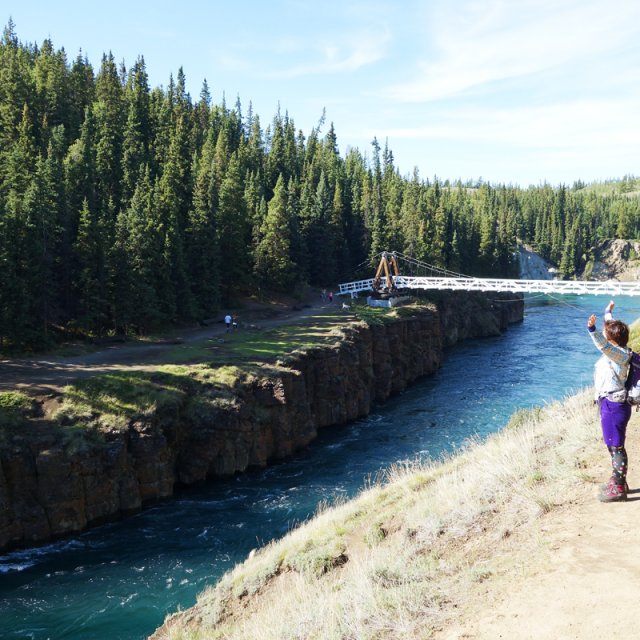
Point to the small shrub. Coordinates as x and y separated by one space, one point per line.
320 559
537 477
375 535
480 575
16 408
524 416
77 438
588 269
110 402
405 312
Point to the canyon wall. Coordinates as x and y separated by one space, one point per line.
51 487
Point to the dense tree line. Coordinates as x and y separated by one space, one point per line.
125 207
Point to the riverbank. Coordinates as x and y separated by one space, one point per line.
505 539
112 444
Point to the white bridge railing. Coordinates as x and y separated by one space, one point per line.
609 287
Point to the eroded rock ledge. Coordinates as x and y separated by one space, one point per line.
49 489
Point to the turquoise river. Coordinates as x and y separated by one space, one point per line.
118 581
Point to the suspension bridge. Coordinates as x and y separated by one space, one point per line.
389 280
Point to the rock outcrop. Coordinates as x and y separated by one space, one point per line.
615 260
533 266
52 487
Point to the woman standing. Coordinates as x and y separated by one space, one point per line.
610 376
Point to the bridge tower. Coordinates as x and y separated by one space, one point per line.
389 267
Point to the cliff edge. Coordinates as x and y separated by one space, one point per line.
64 469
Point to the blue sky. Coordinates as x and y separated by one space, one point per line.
513 91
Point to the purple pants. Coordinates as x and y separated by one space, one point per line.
614 417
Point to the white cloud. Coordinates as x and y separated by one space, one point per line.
340 55
342 47
483 42
577 124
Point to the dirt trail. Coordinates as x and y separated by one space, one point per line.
46 374
576 576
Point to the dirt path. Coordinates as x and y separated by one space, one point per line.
46 374
576 576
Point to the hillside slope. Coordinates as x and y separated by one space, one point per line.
576 574
505 540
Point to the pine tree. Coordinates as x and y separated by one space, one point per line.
276 159
137 133
16 86
202 240
338 256
109 114
273 264
144 240
91 278
173 205
20 158
82 90
17 277
234 233
44 209
51 88
376 218
298 250
317 235
439 242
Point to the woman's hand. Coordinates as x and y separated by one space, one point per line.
591 322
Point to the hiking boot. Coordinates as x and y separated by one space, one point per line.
604 487
614 493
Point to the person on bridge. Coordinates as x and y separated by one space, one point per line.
610 376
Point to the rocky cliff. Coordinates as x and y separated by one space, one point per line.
51 486
614 260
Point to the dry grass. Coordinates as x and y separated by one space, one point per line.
402 558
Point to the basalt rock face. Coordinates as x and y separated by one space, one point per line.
465 316
50 487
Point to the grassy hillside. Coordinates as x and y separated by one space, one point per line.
629 185
401 559
397 561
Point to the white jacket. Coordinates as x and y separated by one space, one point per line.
612 367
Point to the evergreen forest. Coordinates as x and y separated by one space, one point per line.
126 208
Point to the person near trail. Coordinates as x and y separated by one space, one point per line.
228 319
610 376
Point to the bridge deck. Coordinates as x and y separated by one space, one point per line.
609 287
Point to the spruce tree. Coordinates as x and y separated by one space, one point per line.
273 264
144 239
90 283
201 238
110 117
234 233
137 133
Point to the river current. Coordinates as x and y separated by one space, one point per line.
118 581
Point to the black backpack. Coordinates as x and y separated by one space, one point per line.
632 385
